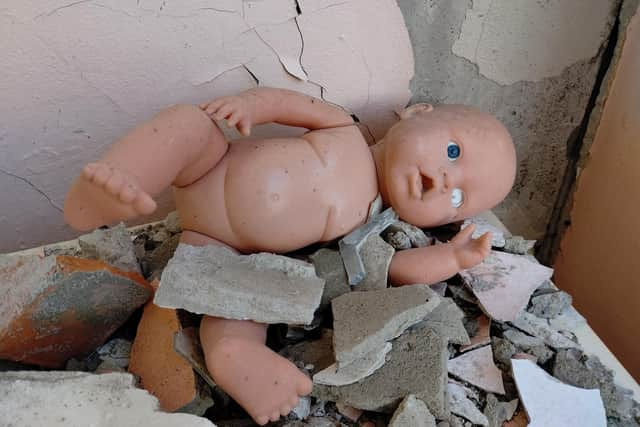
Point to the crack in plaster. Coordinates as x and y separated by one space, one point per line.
32 185
253 76
54 11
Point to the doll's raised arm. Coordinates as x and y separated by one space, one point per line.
269 105
433 264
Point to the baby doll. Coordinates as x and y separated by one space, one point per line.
435 166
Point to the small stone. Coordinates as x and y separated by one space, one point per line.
416 236
549 402
417 365
76 399
263 287
412 412
116 352
376 256
498 412
303 408
58 307
162 371
398 239
503 283
354 371
569 320
349 412
172 223
503 350
535 326
550 305
476 367
113 246
107 367
365 321
518 245
461 405
160 235
329 266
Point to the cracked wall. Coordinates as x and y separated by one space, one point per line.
531 63
77 74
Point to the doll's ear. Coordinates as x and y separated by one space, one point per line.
415 109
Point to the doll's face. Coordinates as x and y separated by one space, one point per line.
447 164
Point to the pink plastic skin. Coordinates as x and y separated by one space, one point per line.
282 194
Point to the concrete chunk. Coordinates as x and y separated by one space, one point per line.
364 321
58 307
412 412
376 256
461 405
498 412
113 246
71 399
550 305
329 266
263 287
417 365
354 371
538 327
416 236
446 321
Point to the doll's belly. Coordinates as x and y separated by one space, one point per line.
281 195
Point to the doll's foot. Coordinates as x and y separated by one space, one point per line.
265 384
104 195
120 186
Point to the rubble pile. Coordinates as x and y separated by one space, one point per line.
492 346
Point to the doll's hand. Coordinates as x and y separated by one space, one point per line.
470 252
236 110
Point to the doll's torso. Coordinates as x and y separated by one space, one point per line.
282 194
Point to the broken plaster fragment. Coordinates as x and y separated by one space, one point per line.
482 335
329 266
45 399
549 402
376 256
365 321
113 246
461 405
446 321
350 244
538 327
354 371
263 287
412 412
498 412
503 283
476 367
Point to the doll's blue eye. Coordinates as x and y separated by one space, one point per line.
453 151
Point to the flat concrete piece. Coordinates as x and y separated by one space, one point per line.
376 256
476 367
503 283
412 412
446 321
57 307
417 365
540 328
113 246
482 336
263 287
354 371
72 399
498 412
549 402
459 404
365 321
329 266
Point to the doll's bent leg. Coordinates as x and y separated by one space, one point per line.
176 147
265 384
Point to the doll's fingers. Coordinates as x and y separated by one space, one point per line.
212 107
464 235
224 112
234 118
244 126
484 244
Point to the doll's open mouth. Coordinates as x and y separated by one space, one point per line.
427 183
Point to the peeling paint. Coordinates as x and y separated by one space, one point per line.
510 40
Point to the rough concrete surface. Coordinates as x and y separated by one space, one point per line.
498 412
376 256
461 405
412 412
416 365
329 266
113 246
446 321
538 327
541 59
263 287
75 399
365 321
55 308
354 371
550 305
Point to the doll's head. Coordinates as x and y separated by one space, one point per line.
444 164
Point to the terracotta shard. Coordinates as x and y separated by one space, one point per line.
482 336
58 307
503 283
549 402
476 367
